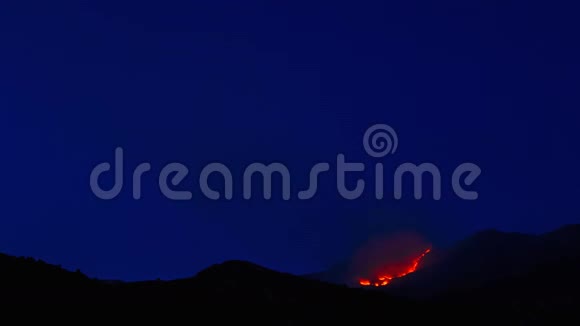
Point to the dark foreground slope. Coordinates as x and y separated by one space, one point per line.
492 277
234 290
528 278
492 258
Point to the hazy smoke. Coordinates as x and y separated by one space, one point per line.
387 254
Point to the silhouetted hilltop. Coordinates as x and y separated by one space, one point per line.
566 240
492 256
30 272
494 276
526 278
337 274
237 281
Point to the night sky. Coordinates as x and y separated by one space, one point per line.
490 82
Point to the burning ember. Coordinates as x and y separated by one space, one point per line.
390 271
381 259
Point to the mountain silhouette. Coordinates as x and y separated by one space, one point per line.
494 276
493 256
527 278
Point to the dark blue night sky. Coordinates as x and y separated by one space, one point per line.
490 82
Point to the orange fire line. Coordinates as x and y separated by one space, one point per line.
385 279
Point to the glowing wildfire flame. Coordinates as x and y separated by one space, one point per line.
385 278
